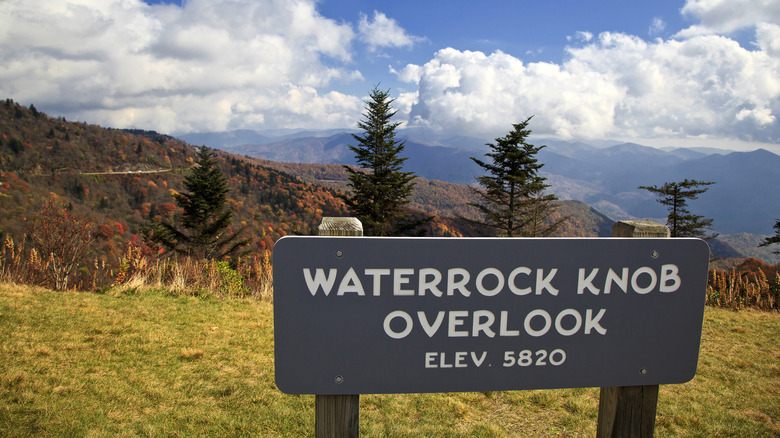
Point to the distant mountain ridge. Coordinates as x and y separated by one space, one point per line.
605 177
451 200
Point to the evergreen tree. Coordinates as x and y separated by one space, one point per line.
205 221
379 195
513 200
773 239
674 195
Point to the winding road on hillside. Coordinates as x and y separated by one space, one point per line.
126 172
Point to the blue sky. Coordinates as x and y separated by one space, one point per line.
532 31
686 72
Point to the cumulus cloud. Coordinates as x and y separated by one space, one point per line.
726 16
207 65
226 64
472 93
384 32
614 86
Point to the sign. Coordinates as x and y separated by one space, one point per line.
363 315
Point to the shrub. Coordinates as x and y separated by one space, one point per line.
61 244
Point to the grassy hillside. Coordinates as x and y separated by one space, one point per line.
151 364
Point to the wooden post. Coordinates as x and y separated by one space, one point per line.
338 415
629 411
640 229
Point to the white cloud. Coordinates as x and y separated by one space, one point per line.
476 94
228 64
761 116
616 86
581 36
768 39
657 26
384 32
727 16
208 65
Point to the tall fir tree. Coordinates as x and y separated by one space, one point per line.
514 203
379 195
773 239
204 229
675 196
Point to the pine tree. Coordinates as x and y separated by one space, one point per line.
204 231
379 195
513 200
674 195
773 239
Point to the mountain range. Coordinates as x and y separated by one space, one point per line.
122 180
605 177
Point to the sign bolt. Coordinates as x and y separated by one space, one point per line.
643 371
654 254
339 253
339 380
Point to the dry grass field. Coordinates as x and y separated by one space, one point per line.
138 362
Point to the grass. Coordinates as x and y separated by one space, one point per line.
148 364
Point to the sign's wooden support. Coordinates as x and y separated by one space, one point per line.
629 411
338 415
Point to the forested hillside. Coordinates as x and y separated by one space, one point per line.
124 179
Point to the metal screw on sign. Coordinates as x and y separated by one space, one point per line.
654 254
339 379
643 371
339 254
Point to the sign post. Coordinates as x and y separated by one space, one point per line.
338 415
629 411
413 315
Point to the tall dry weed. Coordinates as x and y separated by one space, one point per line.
737 290
143 267
22 264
